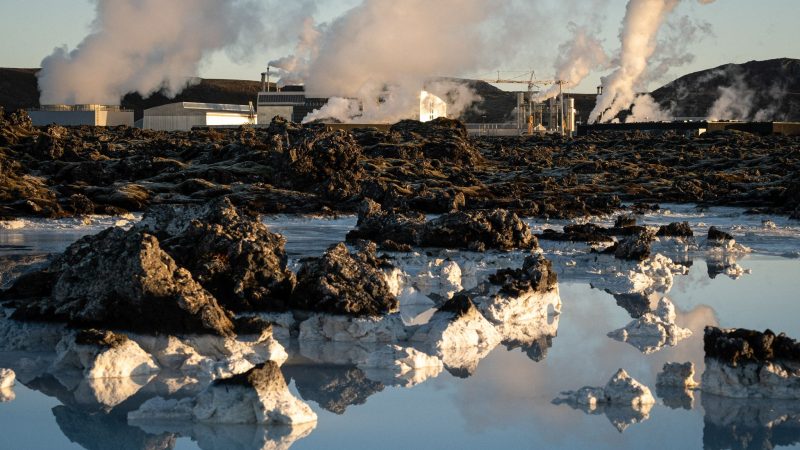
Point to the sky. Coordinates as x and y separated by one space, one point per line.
742 30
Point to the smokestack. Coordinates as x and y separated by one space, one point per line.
263 81
600 90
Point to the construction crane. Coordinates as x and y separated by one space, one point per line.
532 82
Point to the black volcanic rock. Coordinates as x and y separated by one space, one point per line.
675 229
124 279
479 231
635 247
536 275
715 234
229 252
340 282
734 346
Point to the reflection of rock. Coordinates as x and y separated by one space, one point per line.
108 392
533 337
259 395
677 375
653 275
334 388
400 359
328 327
749 424
458 334
653 330
673 384
637 304
7 380
233 437
745 363
98 431
103 354
722 253
17 335
439 277
623 400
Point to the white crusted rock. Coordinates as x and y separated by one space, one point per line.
258 396
103 354
209 356
328 327
503 308
653 275
440 277
459 334
677 375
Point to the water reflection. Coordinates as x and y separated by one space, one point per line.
749 423
332 387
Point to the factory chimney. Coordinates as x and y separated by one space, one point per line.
600 90
263 81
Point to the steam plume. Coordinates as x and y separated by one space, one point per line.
144 46
643 19
383 52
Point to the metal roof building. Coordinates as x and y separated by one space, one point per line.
185 115
94 115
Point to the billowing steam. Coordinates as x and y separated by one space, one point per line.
576 59
384 52
643 19
144 46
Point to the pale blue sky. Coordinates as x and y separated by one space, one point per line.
743 30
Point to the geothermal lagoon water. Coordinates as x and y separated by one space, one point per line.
502 399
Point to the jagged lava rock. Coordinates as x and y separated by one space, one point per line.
635 247
677 375
746 363
259 395
382 227
123 279
345 283
230 253
675 229
479 231
717 235
103 354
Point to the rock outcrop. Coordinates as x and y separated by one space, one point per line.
745 363
230 253
340 282
124 279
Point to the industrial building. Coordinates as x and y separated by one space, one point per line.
183 116
93 115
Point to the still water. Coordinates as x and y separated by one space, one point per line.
506 401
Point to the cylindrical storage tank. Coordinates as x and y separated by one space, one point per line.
570 116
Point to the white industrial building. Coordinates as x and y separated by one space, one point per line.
183 116
93 115
431 107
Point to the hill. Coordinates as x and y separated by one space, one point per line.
756 90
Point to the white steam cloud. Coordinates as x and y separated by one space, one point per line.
640 27
145 46
384 52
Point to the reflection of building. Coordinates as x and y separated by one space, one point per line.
185 115
94 115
